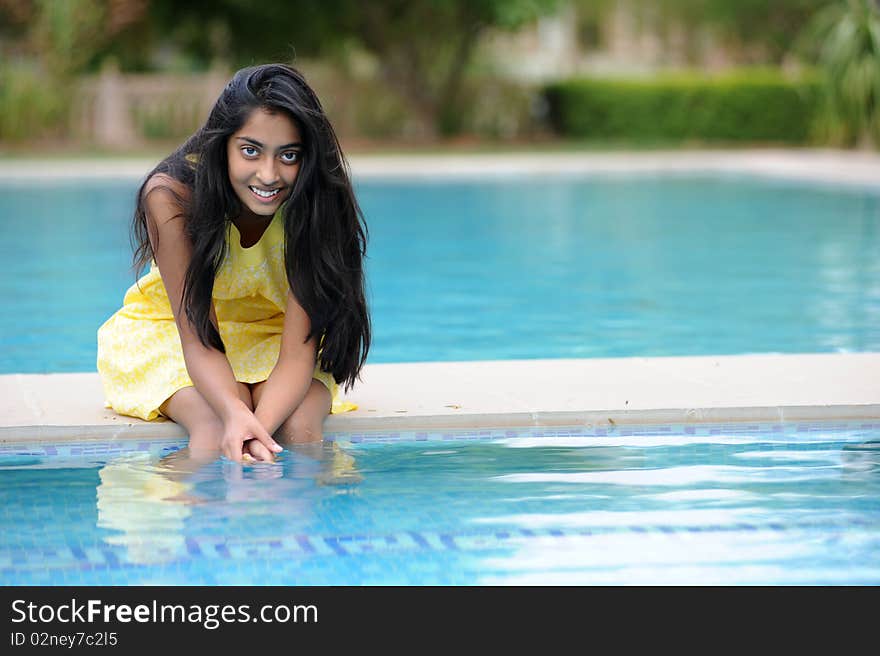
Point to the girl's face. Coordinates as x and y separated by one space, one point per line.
264 160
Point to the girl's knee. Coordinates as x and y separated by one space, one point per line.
306 422
299 428
206 435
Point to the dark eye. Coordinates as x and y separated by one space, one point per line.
290 156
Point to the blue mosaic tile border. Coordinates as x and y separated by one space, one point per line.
75 556
87 448
591 431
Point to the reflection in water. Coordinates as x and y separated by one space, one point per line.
780 515
762 506
147 503
145 508
860 460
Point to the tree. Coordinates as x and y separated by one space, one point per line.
44 45
849 54
754 31
425 47
65 36
422 47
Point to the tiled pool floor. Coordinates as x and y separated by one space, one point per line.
720 503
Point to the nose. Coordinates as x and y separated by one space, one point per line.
267 174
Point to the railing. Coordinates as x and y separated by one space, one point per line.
117 111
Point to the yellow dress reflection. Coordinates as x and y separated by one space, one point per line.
145 507
146 504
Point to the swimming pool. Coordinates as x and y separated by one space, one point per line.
533 267
708 504
512 268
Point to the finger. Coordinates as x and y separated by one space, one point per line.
260 452
256 449
232 453
268 442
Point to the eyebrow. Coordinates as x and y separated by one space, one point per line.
295 144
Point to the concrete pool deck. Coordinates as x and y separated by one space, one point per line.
436 395
857 168
514 393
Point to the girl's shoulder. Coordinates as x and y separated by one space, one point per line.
165 198
161 180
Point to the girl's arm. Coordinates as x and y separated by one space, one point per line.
208 368
289 381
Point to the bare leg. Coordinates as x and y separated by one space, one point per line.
188 408
305 424
303 431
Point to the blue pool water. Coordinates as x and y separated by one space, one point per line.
711 504
512 268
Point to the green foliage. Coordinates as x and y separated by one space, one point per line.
849 34
749 106
754 31
167 122
67 33
422 48
376 114
31 106
246 32
360 108
501 109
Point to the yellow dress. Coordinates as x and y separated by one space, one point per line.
140 359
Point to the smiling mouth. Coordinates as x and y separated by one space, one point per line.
265 194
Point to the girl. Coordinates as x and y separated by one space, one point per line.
254 308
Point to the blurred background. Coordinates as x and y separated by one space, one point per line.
136 76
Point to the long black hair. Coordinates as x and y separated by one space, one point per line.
325 234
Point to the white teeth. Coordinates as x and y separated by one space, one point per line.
264 194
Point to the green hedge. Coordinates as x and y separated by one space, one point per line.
751 106
31 104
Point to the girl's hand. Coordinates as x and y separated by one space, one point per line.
241 427
254 450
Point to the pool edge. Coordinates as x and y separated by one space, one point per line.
592 419
496 394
